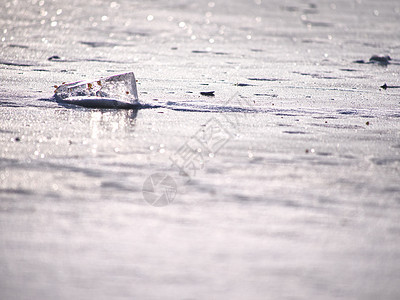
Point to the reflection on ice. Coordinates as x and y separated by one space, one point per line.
114 123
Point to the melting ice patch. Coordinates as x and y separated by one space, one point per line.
118 91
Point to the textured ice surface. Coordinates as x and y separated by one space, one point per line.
303 202
118 91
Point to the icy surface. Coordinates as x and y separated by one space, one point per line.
302 202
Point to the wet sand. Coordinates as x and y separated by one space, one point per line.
297 197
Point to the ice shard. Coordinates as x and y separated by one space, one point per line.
118 91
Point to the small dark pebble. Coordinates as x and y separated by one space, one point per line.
17 139
174 48
54 57
244 84
269 95
210 94
189 92
381 59
367 123
264 79
348 70
360 61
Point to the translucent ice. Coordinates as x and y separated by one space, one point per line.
118 91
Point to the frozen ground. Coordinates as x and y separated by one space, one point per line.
301 202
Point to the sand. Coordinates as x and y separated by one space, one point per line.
289 187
